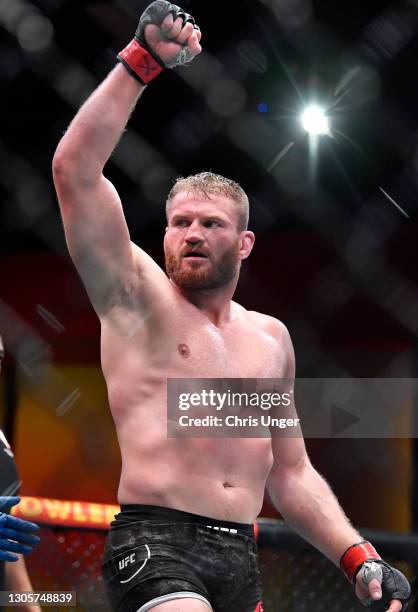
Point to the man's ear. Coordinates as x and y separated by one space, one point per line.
247 240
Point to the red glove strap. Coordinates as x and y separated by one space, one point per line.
355 556
139 61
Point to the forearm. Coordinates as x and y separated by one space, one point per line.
309 506
98 126
17 580
165 37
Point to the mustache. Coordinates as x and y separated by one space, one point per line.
194 251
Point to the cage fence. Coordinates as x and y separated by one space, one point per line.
296 578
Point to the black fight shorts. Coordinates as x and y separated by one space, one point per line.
154 555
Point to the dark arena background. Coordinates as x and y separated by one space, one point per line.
335 258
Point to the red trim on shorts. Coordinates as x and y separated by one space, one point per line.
256 532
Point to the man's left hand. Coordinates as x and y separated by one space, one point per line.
382 587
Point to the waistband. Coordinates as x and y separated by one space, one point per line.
133 513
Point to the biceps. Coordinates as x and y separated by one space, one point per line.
97 238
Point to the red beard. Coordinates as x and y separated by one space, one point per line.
202 276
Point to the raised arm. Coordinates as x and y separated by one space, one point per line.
309 506
95 227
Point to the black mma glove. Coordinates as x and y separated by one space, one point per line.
139 58
363 560
394 585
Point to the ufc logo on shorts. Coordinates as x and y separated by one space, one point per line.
126 561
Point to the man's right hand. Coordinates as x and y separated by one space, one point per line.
16 535
170 33
166 37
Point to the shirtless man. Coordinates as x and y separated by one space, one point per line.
163 553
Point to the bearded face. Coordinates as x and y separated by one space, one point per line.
203 246
195 269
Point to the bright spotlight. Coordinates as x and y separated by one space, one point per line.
314 120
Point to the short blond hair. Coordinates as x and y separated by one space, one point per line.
207 183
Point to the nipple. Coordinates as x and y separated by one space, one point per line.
183 350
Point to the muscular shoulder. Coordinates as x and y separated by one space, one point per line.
265 323
278 331
270 325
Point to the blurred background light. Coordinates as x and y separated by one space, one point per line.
314 120
291 13
35 33
226 97
252 56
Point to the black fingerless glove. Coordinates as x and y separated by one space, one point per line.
394 583
138 58
394 586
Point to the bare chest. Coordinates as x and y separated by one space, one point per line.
138 356
197 348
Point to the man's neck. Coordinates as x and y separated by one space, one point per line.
215 304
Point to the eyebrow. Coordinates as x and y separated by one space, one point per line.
205 217
215 218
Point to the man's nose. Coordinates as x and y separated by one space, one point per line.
194 233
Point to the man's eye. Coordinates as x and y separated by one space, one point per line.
181 223
211 224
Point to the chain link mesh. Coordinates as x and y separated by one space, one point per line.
294 581
308 582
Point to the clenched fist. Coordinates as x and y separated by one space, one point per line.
166 37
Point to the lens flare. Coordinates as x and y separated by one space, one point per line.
314 120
